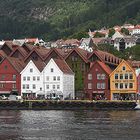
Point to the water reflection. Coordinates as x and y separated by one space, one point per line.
73 125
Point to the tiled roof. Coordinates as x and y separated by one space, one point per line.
2 53
126 39
21 50
42 51
31 40
81 52
63 66
62 51
54 50
71 42
106 57
16 63
105 67
39 64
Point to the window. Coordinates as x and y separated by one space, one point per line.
126 85
54 78
23 86
5 67
89 76
103 76
51 69
34 86
14 77
130 85
131 76
121 76
2 77
126 76
103 86
98 76
14 86
31 70
121 85
34 78
58 78
116 85
24 78
116 76
38 78
98 86
123 68
89 85
1 85
47 78
28 78
58 86
27 86
53 86
47 86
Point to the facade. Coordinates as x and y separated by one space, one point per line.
78 62
117 35
58 80
138 83
97 82
10 79
123 43
123 82
31 80
87 44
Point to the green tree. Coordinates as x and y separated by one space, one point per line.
111 32
97 34
125 31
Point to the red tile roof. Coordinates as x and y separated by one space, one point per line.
106 57
63 66
105 67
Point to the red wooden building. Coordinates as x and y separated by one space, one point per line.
10 79
97 81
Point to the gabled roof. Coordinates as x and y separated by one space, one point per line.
105 57
63 66
16 63
21 50
2 53
39 64
62 51
105 67
123 61
42 51
9 44
38 52
82 53
53 50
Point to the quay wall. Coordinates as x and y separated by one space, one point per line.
67 105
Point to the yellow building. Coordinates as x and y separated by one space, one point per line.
123 82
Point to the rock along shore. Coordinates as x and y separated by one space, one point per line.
67 105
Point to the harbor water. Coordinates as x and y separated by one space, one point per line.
69 125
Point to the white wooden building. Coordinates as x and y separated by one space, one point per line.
31 79
58 80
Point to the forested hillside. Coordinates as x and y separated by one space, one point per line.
53 19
